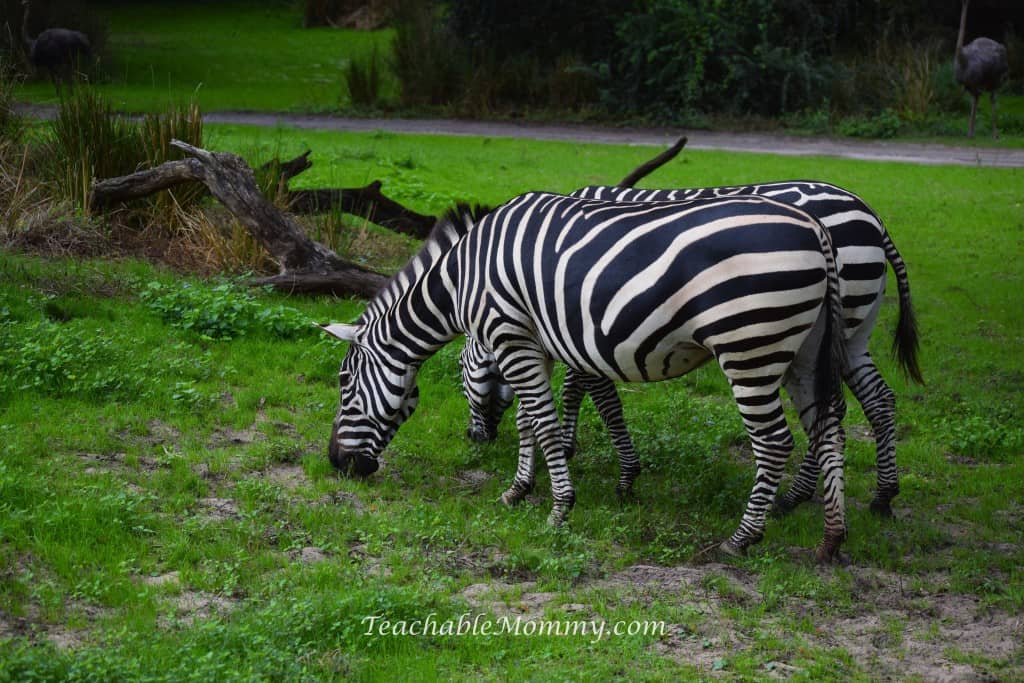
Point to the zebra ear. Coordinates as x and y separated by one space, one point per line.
342 331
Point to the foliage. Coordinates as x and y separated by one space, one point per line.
428 64
757 56
91 141
991 438
11 124
223 312
363 80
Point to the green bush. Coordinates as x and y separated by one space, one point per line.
363 80
222 312
754 56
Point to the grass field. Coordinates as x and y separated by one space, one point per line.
167 511
225 56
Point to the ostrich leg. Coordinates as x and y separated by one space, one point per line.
992 99
974 111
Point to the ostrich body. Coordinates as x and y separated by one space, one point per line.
980 66
57 50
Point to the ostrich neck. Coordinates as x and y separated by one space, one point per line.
960 38
24 28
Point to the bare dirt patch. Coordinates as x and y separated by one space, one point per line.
218 509
892 632
191 606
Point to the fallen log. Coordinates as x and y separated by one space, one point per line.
368 202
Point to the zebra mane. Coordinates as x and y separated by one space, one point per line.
455 222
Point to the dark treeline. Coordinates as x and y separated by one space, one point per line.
669 59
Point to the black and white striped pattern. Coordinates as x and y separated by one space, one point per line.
863 246
629 291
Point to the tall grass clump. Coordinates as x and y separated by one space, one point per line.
183 123
363 80
12 126
430 71
89 141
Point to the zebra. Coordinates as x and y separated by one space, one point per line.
863 246
631 291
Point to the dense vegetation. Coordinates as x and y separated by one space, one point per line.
856 67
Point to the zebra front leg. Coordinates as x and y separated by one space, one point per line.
609 407
523 482
528 372
572 399
772 442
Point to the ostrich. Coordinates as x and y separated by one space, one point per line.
980 65
57 50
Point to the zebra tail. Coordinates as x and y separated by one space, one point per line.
828 376
905 342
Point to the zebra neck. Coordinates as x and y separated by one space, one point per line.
420 320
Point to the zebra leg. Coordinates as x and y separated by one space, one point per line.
805 483
772 442
879 404
523 483
609 407
826 444
528 372
572 399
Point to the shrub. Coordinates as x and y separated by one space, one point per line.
756 56
89 141
363 80
431 69
223 312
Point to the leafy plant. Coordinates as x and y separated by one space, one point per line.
363 80
222 312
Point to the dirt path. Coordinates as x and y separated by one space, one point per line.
765 143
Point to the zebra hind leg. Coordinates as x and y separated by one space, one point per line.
772 442
827 442
879 404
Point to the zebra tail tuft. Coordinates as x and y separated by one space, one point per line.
905 342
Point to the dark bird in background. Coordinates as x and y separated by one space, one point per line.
58 50
980 66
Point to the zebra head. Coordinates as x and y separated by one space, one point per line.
376 398
488 394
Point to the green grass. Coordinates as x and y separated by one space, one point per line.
138 440
225 56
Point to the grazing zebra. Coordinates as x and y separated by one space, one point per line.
863 246
632 291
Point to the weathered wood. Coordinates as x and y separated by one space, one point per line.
648 167
289 169
143 183
364 283
368 202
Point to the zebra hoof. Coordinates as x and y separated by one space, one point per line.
559 513
732 549
882 508
827 551
512 497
